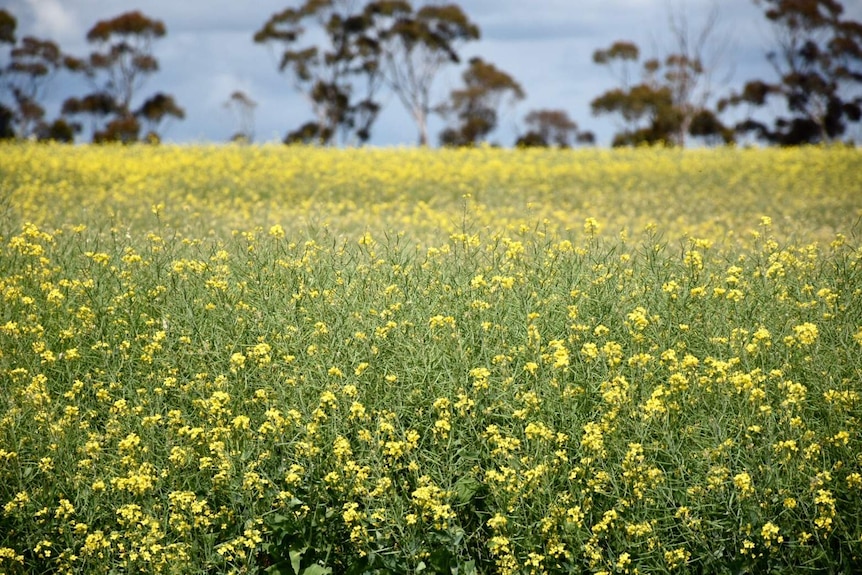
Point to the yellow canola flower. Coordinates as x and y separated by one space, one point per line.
7 553
806 333
743 482
497 522
676 558
771 534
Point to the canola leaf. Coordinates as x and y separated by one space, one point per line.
281 568
316 569
441 560
465 488
296 559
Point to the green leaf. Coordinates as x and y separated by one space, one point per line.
465 488
457 535
280 568
279 520
296 559
316 569
440 560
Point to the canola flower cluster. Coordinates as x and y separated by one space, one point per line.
220 359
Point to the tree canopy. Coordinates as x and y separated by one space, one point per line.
552 128
416 47
116 70
474 108
350 58
340 75
671 99
816 56
25 77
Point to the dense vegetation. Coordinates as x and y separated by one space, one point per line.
305 360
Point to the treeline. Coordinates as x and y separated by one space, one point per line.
345 56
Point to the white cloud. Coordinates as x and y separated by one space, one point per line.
53 21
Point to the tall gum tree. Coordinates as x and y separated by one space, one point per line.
117 70
474 108
662 108
673 97
26 72
241 106
416 47
816 57
8 25
331 50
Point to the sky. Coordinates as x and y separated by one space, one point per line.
546 45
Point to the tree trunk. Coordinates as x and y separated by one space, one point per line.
421 118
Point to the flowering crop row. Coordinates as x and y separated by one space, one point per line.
234 359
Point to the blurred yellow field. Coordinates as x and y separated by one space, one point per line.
809 193
300 360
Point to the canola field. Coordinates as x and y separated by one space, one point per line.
304 361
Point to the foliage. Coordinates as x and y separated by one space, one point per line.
817 57
335 360
366 44
31 66
155 110
117 70
416 47
475 106
8 25
339 77
341 54
660 109
552 127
